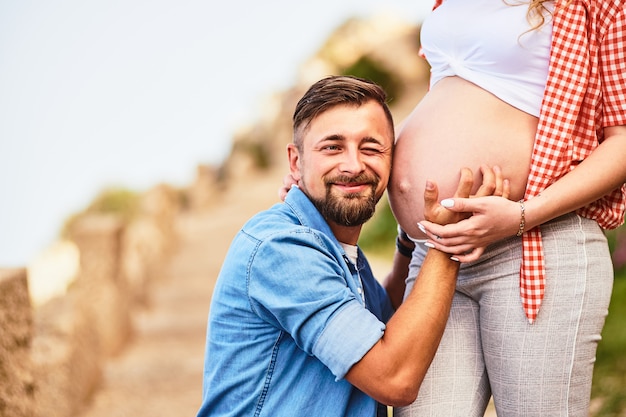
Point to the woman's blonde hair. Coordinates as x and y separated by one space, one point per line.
536 13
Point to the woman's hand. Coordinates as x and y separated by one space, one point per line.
482 219
493 218
288 181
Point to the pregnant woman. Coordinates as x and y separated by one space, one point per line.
539 90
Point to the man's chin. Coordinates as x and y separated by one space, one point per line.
359 195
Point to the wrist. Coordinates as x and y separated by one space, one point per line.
444 257
522 220
404 244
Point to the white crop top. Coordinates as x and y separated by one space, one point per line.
488 43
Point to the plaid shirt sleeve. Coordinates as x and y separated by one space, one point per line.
613 70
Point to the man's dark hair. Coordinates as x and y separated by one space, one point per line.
333 91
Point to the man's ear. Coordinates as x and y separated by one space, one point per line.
294 161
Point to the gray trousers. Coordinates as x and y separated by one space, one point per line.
489 348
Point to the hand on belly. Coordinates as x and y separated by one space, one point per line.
457 125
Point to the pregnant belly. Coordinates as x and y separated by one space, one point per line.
456 125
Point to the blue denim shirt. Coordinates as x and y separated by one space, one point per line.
287 322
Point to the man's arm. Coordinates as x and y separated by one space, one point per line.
394 368
395 281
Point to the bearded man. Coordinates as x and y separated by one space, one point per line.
298 325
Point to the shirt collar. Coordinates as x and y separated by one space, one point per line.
308 215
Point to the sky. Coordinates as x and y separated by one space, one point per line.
132 93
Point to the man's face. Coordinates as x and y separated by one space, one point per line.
345 162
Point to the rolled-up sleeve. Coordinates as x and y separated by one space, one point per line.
347 338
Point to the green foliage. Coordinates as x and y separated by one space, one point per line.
367 68
258 151
617 246
609 377
379 234
119 201
115 201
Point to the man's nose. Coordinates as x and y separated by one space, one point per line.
352 162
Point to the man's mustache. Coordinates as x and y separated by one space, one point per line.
347 179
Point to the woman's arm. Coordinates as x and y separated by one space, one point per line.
495 218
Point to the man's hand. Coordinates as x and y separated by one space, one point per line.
435 212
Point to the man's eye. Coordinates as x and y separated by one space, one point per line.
371 150
332 147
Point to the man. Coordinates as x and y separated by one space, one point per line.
297 321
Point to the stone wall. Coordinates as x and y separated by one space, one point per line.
52 356
16 324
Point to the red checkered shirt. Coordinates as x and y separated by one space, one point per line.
585 92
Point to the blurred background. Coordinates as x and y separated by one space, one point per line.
130 93
172 117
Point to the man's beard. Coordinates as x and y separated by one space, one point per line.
352 209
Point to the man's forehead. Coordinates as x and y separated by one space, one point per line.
363 129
